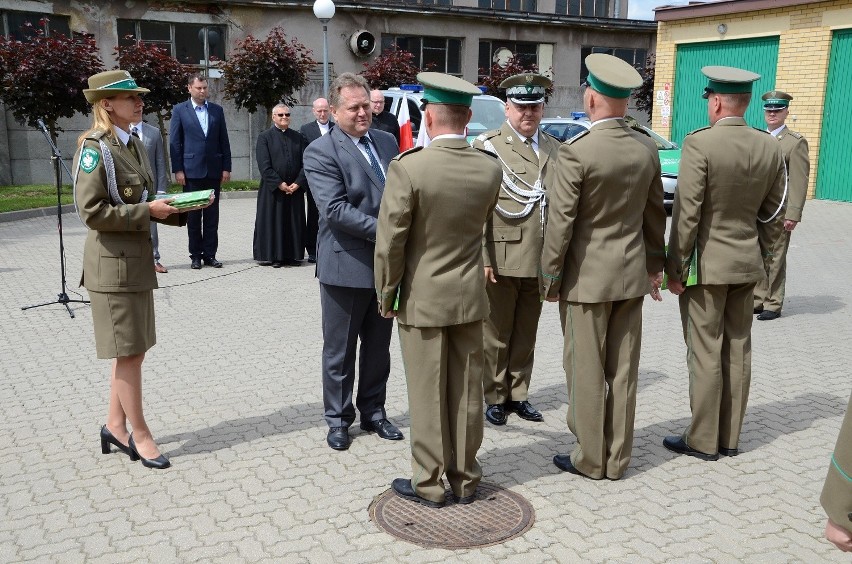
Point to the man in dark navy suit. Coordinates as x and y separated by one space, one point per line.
201 159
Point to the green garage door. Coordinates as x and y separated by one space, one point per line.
834 173
689 109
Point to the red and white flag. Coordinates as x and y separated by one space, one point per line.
406 139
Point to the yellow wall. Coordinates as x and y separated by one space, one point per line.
803 54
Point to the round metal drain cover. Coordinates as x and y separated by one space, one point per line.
496 516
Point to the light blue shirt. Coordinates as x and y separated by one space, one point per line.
201 114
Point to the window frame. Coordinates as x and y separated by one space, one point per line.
172 43
391 41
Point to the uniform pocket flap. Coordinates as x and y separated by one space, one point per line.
128 179
348 245
505 234
118 248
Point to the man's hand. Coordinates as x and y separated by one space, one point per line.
838 536
389 315
552 298
656 281
161 209
489 275
180 178
789 224
676 287
226 175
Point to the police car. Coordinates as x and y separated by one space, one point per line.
489 112
566 128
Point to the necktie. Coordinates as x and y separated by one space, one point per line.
130 145
373 162
528 141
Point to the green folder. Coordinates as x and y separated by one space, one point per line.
692 277
187 199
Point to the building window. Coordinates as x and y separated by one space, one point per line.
588 8
634 57
510 5
23 25
497 51
443 54
191 44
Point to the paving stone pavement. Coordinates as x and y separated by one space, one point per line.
233 396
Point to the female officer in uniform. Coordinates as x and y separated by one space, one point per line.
112 179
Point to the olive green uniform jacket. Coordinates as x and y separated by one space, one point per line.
836 496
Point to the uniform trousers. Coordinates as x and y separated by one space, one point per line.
601 361
443 369
202 226
769 292
717 330
510 332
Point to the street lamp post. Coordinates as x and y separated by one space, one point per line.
324 11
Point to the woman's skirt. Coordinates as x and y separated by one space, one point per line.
124 322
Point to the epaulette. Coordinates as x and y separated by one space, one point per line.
408 152
578 136
491 133
699 129
487 152
795 134
95 135
540 132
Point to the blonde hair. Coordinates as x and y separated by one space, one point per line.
101 123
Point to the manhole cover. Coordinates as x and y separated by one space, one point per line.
496 516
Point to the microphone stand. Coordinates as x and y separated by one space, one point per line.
62 297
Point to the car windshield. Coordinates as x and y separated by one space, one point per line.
662 143
488 113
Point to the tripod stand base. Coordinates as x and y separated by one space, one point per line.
60 299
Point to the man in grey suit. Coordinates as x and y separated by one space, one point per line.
153 141
346 175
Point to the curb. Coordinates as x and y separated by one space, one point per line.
6 217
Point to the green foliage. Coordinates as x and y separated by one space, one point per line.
500 73
44 77
391 68
644 95
154 68
264 73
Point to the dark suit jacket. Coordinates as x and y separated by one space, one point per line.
311 130
347 193
279 158
386 121
192 153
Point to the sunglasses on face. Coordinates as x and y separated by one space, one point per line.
283 115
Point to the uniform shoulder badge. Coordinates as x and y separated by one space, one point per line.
89 159
699 129
490 134
578 137
95 135
487 152
408 152
546 134
795 134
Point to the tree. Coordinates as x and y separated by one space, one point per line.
645 94
44 77
264 73
514 65
392 68
154 68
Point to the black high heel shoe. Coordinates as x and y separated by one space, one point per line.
108 438
160 463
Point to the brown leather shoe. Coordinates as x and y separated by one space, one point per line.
159 268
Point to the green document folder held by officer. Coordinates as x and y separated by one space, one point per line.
187 199
692 277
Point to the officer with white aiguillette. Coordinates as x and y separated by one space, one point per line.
513 239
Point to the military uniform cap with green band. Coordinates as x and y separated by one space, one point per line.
110 83
728 80
776 100
527 88
611 76
440 88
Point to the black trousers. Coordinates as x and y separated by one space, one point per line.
202 226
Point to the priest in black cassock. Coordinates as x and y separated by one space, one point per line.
280 222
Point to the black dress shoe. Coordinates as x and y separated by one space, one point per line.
338 438
495 414
728 451
312 259
276 265
107 438
213 262
264 263
678 445
767 315
758 309
466 500
405 490
383 428
159 463
563 462
293 263
524 410
196 264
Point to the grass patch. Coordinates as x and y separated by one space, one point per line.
29 196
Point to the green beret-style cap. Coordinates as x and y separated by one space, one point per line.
776 100
440 88
611 76
728 80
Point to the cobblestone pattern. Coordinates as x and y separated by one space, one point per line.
233 395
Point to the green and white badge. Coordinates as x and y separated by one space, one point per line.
89 159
